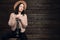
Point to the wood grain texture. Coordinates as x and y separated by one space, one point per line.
43 18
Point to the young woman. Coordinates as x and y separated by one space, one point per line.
19 15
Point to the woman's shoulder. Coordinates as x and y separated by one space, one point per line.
25 14
12 14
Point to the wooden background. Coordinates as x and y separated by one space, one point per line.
43 18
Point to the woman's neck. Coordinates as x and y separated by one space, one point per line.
19 12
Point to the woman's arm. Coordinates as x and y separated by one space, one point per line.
24 21
11 21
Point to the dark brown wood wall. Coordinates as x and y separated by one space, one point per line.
43 18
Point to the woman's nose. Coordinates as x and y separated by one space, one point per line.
21 8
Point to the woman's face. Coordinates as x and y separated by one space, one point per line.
21 7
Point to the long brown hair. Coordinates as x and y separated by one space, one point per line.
16 10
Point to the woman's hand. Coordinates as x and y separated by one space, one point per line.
19 16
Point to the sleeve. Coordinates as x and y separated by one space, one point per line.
11 21
25 21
